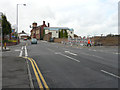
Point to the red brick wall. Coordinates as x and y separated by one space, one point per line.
106 41
58 40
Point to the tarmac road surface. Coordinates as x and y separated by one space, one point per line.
62 66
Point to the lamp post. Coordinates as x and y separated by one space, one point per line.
17 19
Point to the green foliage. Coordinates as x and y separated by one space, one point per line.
59 34
110 35
43 32
63 34
6 26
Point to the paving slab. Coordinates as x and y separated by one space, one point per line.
14 73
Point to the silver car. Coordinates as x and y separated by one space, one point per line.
33 41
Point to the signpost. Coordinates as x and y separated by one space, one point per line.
1 30
1 51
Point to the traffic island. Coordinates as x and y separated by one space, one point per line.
7 49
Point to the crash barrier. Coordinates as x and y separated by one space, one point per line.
76 41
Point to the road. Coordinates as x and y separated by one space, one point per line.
62 66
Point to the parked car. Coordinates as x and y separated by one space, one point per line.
51 40
25 39
33 41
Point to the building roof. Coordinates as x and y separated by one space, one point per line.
24 35
57 28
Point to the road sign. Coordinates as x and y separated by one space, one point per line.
13 36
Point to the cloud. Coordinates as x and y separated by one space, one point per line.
84 16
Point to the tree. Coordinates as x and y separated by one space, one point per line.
63 33
59 34
6 26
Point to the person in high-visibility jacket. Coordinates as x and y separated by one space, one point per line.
89 43
5 45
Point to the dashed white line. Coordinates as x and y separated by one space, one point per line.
116 53
71 53
50 50
110 74
68 57
26 54
98 56
21 52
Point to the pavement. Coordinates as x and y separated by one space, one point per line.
54 65
7 49
14 70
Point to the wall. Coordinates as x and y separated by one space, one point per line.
55 34
106 41
47 37
58 40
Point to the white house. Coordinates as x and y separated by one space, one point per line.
22 35
55 31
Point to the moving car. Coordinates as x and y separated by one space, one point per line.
33 41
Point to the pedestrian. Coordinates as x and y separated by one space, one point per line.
5 45
89 43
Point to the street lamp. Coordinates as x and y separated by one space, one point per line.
17 19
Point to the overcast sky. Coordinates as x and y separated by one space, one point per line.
86 17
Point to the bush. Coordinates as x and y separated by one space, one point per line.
9 41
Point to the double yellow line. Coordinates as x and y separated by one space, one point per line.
38 74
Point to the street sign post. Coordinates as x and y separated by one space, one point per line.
1 30
1 51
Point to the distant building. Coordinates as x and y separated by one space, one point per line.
23 35
55 31
75 36
38 31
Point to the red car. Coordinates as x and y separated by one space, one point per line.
25 38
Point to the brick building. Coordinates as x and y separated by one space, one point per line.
38 31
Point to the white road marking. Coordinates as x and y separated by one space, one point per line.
17 50
97 56
50 50
71 53
94 50
26 54
21 52
116 53
85 54
110 74
57 53
93 55
67 56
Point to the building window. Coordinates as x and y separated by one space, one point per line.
56 31
71 32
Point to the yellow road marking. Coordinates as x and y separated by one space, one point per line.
42 78
36 74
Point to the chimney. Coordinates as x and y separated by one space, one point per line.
48 24
43 22
34 25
